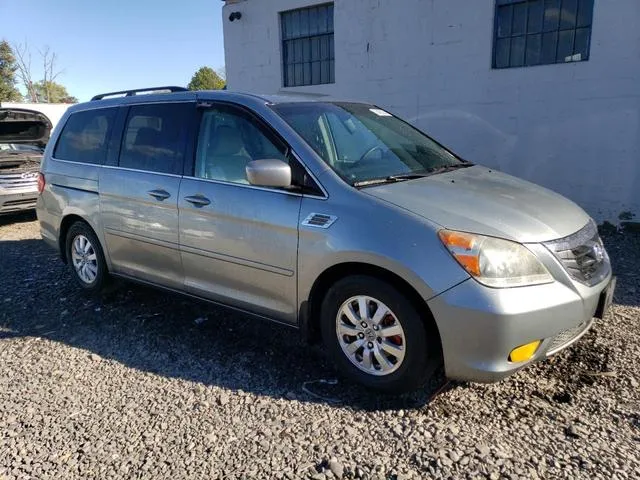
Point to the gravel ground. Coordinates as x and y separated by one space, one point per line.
142 384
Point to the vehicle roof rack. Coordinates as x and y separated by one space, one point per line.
131 93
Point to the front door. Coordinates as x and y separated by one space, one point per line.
238 242
139 196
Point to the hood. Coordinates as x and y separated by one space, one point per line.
483 201
24 126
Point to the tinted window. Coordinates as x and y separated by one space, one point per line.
228 140
85 136
536 32
154 138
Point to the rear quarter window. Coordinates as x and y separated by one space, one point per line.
85 136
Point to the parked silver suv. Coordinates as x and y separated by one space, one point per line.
338 219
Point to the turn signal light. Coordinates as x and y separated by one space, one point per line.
41 182
524 352
463 247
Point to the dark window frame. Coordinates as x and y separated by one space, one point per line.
290 42
108 135
543 36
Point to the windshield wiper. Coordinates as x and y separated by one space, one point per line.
390 179
411 175
449 168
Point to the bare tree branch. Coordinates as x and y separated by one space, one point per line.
50 73
23 62
49 59
44 69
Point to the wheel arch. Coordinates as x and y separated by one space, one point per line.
310 307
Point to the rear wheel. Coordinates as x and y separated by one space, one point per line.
376 337
85 258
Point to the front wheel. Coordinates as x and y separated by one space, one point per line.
376 337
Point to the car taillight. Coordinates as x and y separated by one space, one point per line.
41 182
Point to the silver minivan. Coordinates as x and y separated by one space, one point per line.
338 219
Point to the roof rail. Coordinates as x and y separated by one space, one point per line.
131 93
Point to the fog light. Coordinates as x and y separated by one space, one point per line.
524 352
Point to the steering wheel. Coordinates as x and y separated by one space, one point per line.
369 152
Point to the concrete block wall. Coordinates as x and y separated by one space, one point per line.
574 128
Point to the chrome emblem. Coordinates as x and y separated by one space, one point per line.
597 252
370 334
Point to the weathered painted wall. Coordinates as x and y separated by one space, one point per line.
574 127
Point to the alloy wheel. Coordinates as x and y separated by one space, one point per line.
370 335
83 257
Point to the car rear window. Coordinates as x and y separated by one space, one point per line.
85 136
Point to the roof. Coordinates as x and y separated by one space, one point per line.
186 95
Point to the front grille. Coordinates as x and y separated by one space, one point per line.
18 203
19 181
566 337
582 255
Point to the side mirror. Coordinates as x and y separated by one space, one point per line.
269 173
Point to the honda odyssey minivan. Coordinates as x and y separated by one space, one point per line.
338 219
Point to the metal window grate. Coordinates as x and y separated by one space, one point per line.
307 46
541 32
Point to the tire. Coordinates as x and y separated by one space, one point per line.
417 340
94 277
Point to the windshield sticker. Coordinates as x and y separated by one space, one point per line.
380 112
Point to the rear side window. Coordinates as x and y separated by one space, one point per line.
154 138
85 136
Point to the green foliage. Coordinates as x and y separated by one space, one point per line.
206 79
52 92
8 67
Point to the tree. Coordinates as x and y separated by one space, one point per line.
8 67
53 92
206 79
23 57
45 90
50 73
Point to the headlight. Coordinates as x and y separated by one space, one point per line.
495 262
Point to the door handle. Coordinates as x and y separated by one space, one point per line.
159 194
198 200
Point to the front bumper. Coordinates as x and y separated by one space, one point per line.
18 201
480 326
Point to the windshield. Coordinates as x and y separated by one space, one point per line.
363 143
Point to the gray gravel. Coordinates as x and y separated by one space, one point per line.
142 384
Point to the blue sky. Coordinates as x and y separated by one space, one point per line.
118 44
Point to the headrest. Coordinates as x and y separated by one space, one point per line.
147 136
227 141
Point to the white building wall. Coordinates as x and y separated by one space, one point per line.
574 128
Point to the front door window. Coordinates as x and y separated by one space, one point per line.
227 142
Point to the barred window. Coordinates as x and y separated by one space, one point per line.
307 46
539 32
